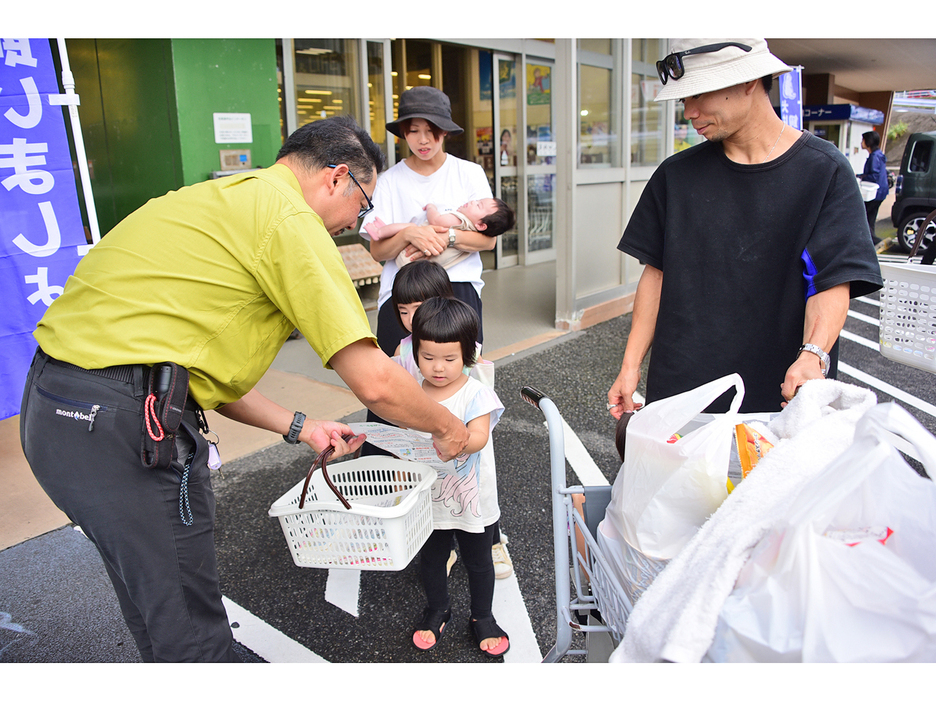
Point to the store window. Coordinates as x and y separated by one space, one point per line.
377 101
507 148
647 129
597 46
325 78
541 157
597 132
540 145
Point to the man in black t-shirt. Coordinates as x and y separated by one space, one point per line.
753 241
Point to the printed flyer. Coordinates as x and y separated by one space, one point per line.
403 443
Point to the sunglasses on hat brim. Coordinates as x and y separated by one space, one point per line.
672 66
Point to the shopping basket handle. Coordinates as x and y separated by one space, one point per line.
322 458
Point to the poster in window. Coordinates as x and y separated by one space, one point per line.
538 84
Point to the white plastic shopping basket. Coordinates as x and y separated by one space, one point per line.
908 310
387 519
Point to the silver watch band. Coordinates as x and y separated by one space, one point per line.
823 356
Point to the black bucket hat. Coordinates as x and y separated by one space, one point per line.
428 103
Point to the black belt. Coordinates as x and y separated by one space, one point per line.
122 374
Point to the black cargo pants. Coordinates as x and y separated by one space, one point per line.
81 433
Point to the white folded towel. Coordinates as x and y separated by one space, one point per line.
675 618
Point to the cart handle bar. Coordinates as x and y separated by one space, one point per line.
532 396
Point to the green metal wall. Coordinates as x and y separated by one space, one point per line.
224 75
128 122
146 112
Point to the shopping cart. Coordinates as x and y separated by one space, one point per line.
589 598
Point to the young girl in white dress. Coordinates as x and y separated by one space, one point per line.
464 496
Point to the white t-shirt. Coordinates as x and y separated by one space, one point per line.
400 196
464 495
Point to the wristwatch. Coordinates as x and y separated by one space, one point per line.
451 238
823 356
293 436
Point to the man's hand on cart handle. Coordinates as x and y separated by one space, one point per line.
621 394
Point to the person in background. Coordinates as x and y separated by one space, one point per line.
875 171
428 174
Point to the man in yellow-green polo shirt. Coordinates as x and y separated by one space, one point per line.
212 278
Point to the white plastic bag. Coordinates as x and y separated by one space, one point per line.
665 491
805 595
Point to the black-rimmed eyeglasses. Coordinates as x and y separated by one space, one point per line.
672 66
370 205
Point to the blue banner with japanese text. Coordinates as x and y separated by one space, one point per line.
791 98
41 233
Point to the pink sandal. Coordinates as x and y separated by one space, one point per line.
433 620
487 629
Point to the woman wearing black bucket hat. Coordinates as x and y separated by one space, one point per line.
428 174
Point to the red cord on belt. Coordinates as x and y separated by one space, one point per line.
149 408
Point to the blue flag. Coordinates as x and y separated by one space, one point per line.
41 233
791 98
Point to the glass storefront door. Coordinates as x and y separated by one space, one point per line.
503 101
540 163
507 116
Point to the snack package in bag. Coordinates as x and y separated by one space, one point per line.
666 489
850 574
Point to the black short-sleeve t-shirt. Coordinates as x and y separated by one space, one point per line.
741 248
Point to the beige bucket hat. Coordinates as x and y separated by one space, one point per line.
717 69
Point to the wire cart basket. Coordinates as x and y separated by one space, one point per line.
372 513
589 598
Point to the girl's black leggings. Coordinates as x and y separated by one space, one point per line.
475 552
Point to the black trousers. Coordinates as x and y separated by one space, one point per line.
81 434
871 209
475 550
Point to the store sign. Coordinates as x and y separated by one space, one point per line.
41 234
842 113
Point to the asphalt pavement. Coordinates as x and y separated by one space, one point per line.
56 604
62 609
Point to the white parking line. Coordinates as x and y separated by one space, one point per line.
869 301
582 463
873 321
891 390
270 644
511 614
860 340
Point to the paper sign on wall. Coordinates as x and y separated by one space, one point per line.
233 128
